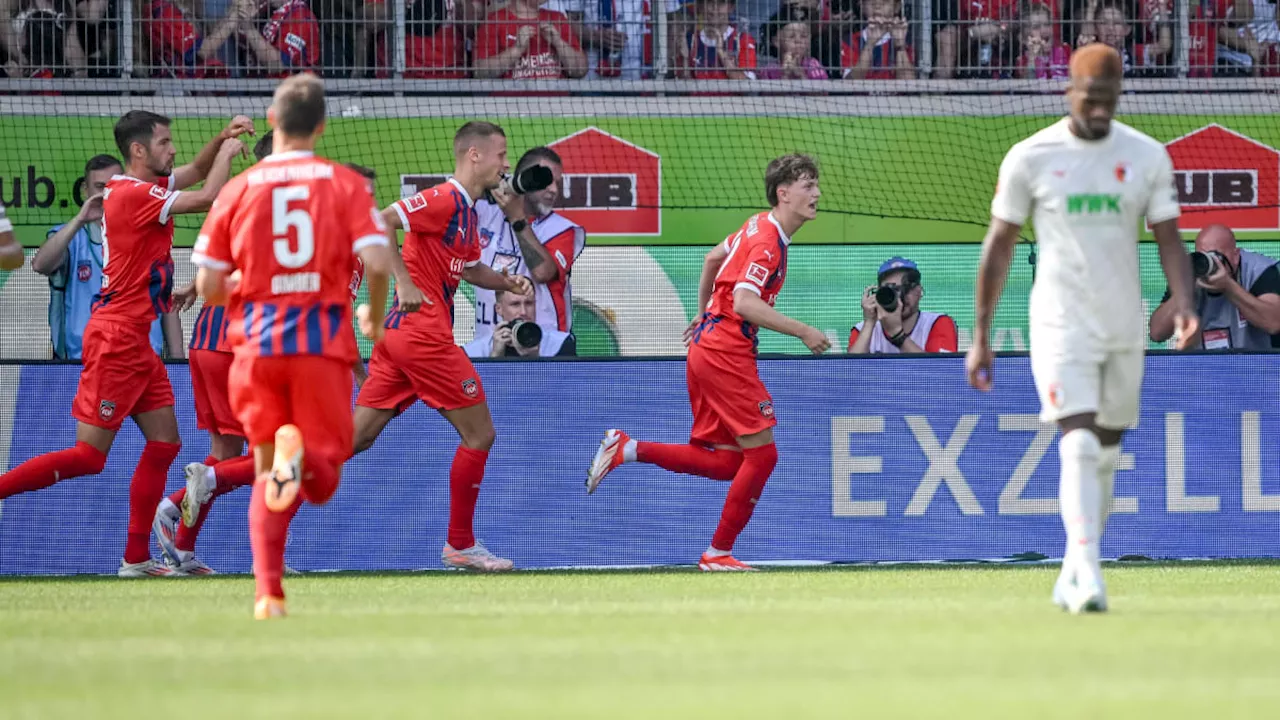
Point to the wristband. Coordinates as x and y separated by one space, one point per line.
519 225
899 339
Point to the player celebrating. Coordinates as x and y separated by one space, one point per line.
10 251
122 377
419 359
291 316
1087 181
732 437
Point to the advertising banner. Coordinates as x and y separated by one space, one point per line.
880 460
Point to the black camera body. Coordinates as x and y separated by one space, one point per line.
887 297
531 179
1205 264
526 334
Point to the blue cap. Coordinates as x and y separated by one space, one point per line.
899 263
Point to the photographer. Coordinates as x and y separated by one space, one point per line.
522 234
892 308
518 335
1231 316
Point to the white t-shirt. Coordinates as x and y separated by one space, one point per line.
1087 199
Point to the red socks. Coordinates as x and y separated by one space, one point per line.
145 491
44 470
464 490
690 459
229 474
267 533
748 483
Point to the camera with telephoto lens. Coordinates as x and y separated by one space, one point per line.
887 297
531 179
1205 264
526 334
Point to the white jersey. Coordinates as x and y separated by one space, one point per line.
1087 199
500 250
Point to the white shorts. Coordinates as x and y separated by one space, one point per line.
1107 383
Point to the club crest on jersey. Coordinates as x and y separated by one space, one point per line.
758 274
83 272
486 237
1122 172
106 409
414 203
469 387
766 408
159 193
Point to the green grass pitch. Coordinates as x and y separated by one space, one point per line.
1182 641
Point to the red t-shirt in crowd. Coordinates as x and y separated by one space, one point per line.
540 62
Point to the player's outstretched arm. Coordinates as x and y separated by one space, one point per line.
993 268
752 308
201 200
200 167
1177 271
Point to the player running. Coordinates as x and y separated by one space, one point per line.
419 360
1087 181
122 377
732 436
10 251
278 250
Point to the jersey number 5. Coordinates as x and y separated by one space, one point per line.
282 218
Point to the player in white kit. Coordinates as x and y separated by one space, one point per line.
1086 181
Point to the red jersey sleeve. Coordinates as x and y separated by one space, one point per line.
942 336
762 261
853 338
560 248
413 212
747 52
213 245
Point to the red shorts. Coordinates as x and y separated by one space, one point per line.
122 375
406 368
727 397
309 391
209 372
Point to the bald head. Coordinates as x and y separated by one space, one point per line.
1219 238
298 106
1096 61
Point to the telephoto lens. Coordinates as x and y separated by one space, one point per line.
527 334
887 298
531 179
1204 264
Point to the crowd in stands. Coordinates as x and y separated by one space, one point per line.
706 39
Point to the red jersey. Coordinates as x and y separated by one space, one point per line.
137 237
357 279
294 292
441 240
703 60
884 56
294 31
540 61
210 329
757 262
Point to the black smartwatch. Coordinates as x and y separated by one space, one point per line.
519 225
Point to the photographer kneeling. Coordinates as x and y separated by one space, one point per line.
518 335
1231 316
892 309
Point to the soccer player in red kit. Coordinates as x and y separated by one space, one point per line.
732 437
419 360
122 376
290 227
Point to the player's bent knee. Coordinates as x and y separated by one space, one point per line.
480 439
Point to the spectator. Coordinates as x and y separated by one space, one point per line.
523 42
171 45
71 258
790 37
715 49
906 328
40 39
517 335
434 45
829 35
946 38
1231 316
1252 41
97 23
617 34
881 51
524 235
1105 21
1040 57
985 38
285 42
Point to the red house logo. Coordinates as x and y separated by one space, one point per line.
611 187
1225 177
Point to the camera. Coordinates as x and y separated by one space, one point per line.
526 334
1206 264
887 297
531 179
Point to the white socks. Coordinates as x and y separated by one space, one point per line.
1080 498
629 451
1107 480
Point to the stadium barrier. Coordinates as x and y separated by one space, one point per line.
880 460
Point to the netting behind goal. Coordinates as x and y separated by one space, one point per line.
908 168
